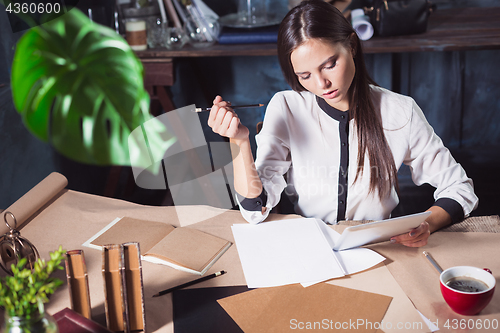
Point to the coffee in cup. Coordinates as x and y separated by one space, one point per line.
467 284
466 289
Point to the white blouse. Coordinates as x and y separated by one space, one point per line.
307 144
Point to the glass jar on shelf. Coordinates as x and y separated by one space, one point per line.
202 31
155 24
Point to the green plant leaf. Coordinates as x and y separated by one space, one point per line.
79 86
26 290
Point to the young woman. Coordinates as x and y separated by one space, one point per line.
338 138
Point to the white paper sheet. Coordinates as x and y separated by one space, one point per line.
295 251
353 260
432 327
284 252
88 243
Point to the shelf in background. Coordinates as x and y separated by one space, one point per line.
456 29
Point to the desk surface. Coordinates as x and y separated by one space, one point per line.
456 29
74 217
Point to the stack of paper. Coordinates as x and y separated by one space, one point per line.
295 251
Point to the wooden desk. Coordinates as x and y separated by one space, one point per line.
73 217
457 29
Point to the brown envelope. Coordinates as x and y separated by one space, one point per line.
318 307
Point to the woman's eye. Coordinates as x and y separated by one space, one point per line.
331 65
304 77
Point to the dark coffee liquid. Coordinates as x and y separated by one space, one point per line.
467 284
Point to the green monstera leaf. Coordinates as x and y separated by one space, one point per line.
79 86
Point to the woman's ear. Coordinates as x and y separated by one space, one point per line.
354 44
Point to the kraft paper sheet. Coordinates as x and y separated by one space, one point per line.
319 307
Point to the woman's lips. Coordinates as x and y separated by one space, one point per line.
331 94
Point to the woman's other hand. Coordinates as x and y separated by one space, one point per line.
225 122
415 238
419 236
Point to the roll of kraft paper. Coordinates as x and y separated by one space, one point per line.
361 24
34 200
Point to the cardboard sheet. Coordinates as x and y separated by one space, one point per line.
420 280
319 307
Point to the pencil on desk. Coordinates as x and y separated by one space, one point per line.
233 107
190 283
428 256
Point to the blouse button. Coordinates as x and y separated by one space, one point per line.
343 143
341 202
342 116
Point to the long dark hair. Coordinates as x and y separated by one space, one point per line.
317 19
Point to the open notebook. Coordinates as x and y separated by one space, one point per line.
182 248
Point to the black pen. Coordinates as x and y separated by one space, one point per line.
233 107
190 283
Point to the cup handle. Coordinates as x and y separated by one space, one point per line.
488 270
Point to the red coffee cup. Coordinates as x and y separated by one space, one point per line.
466 302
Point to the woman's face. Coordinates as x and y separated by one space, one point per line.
326 70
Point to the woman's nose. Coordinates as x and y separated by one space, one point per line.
323 82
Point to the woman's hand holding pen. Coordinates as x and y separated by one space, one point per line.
225 122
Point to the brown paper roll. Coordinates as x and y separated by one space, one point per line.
33 200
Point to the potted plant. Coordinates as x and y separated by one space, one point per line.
79 86
24 293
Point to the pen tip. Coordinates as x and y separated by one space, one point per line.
156 295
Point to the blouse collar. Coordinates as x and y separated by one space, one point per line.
331 111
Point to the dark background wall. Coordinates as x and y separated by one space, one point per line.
458 91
